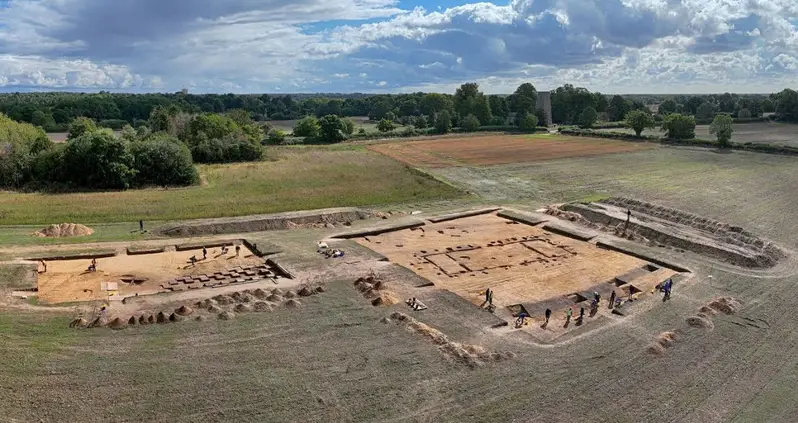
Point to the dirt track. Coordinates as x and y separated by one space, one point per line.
499 149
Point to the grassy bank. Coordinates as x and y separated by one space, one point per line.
300 179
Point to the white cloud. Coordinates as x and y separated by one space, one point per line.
255 45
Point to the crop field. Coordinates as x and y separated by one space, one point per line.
297 179
498 149
759 132
357 353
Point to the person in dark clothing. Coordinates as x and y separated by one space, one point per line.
548 315
581 313
238 249
204 253
141 225
612 299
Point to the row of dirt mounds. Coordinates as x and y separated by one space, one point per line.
662 342
258 223
223 306
375 290
703 319
65 230
665 227
470 355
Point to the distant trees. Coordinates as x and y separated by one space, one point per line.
307 127
443 124
678 126
528 122
470 123
588 117
667 107
386 125
80 126
617 109
332 129
787 105
705 111
639 120
722 128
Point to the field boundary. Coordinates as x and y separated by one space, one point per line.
76 256
569 231
134 251
527 218
608 245
463 214
209 244
379 229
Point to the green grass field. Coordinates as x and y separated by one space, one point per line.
301 178
360 122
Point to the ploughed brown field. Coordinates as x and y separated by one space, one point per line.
499 149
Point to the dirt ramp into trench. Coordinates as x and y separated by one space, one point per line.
662 226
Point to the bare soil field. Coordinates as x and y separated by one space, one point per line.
337 357
499 149
759 132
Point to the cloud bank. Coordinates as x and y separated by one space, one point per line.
620 46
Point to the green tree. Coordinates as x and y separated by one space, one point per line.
705 111
163 161
212 125
434 103
240 116
678 126
275 137
80 126
40 118
19 144
380 109
499 107
767 106
524 99
385 125
470 123
332 129
482 109
528 122
443 123
722 128
601 102
667 107
465 99
349 126
787 105
692 105
307 127
588 117
617 109
128 134
98 159
420 122
744 114
639 120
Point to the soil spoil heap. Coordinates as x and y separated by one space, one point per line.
65 230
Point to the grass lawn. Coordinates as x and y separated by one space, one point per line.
301 178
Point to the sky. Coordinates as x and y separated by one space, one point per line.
391 46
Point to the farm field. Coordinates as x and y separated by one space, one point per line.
498 149
299 178
338 357
759 132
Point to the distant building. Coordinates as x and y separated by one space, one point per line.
544 103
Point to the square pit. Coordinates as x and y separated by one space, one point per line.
522 264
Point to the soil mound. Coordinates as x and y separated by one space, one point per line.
174 317
380 285
666 339
305 292
700 322
293 303
78 323
206 303
200 318
227 315
278 291
184 310
237 296
262 306
99 322
709 311
64 230
214 309
399 316
655 349
117 324
725 305
151 319
319 289
242 308
385 298
132 321
260 294
162 318
290 294
224 300
143 320
386 320
275 298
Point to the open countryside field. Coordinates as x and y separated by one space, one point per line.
337 357
298 178
498 149
759 132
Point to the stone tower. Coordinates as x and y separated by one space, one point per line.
544 103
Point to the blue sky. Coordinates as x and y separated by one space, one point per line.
613 46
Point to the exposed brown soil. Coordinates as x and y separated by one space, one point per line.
226 315
293 304
99 322
305 292
242 308
184 310
143 320
117 324
700 322
275 298
162 318
385 298
290 294
725 305
78 323
65 230
262 306
132 321
214 309
174 317
498 149
261 294
200 318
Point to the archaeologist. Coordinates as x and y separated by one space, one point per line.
93 265
44 266
224 250
667 288
204 253
490 298
141 225
581 313
521 320
238 249
548 315
193 260
612 299
487 295
321 246
568 314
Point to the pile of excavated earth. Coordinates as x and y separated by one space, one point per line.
661 226
65 230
